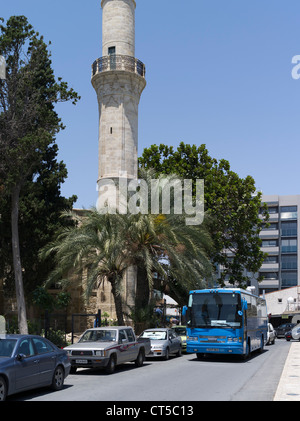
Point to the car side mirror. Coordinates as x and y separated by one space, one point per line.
20 357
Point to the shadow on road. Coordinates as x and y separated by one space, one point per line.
223 358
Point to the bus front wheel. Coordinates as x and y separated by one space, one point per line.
247 353
200 355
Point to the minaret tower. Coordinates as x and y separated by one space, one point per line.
119 79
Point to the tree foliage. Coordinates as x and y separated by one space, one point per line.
41 205
28 122
231 201
103 246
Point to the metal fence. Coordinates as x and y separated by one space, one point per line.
83 321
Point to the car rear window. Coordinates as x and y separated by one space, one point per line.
6 347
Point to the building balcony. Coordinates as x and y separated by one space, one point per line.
267 233
120 63
267 267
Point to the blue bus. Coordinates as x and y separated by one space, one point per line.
225 321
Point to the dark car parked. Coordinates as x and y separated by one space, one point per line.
288 335
282 329
30 361
293 334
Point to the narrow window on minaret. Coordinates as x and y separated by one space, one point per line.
111 130
111 50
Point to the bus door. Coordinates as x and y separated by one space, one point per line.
245 322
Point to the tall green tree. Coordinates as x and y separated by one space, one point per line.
232 202
104 246
41 205
28 122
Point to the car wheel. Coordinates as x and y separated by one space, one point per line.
140 359
58 378
73 370
166 357
111 366
179 352
3 389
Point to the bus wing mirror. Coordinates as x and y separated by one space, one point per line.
184 314
245 305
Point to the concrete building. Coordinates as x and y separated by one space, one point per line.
281 284
281 240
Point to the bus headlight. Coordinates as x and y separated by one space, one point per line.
192 338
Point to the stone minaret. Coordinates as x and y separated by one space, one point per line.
118 79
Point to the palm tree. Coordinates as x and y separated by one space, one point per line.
94 246
163 244
106 245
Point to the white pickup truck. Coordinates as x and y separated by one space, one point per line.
107 347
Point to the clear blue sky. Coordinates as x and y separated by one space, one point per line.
218 72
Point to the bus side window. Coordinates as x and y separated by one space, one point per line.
254 307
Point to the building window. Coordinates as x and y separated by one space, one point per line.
271 226
273 209
271 259
288 208
289 245
289 279
111 50
269 275
289 229
289 261
269 243
288 212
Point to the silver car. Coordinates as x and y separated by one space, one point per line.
28 362
164 342
271 334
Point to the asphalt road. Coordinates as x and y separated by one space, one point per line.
183 379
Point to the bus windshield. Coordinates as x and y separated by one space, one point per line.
215 310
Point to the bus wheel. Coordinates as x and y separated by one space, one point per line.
246 355
261 344
200 355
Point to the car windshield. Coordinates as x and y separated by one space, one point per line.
157 335
216 310
181 331
6 347
99 335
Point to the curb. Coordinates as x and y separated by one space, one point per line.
289 384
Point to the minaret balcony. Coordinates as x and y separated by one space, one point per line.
118 62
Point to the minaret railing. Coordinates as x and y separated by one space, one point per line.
118 62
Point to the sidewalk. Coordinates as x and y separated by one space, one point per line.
289 385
